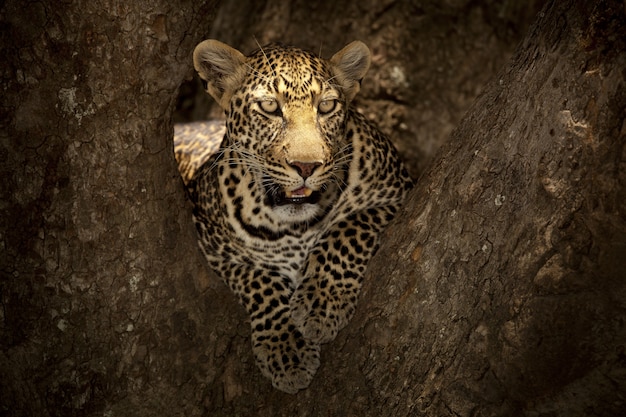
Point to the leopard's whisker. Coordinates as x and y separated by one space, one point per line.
267 61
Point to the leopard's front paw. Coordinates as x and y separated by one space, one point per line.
287 359
318 315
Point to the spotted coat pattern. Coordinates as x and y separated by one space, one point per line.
289 210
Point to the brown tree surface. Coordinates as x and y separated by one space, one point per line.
498 291
95 302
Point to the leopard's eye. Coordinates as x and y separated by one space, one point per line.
326 106
269 106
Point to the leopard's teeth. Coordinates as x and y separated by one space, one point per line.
302 192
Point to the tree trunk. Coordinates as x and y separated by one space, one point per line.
507 290
499 290
97 307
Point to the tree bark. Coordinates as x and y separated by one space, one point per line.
506 294
97 306
499 290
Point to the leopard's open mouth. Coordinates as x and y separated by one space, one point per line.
302 195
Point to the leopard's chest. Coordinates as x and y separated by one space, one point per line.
286 256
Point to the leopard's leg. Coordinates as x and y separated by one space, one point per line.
281 352
326 300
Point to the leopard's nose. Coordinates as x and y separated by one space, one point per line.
305 169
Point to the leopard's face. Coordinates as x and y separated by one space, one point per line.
287 123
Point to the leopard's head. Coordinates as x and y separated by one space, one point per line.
286 118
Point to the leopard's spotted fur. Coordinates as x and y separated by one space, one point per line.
289 210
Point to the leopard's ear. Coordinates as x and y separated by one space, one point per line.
221 67
349 67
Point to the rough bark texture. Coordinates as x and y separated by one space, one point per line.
498 291
95 303
507 294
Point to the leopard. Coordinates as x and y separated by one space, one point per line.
290 208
